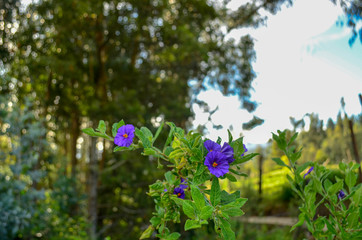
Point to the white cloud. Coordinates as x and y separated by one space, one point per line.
292 81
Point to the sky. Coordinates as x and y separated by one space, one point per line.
304 64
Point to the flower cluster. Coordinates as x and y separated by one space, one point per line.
219 158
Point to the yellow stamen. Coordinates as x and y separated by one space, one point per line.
178 194
214 164
125 135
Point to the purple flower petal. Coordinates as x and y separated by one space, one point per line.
228 151
125 135
341 194
212 146
310 169
183 184
179 192
217 163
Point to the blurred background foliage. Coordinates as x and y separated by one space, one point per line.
67 64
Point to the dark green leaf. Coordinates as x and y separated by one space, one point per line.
206 212
198 197
215 193
101 126
280 162
144 139
230 177
191 224
115 127
351 179
188 209
158 132
155 221
173 236
230 137
226 231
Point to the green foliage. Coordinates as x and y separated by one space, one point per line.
339 197
29 207
184 154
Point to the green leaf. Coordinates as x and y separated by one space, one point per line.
228 198
238 147
173 236
232 211
115 127
149 151
144 139
206 212
280 162
170 177
231 177
226 230
300 221
292 138
101 126
242 159
120 149
327 184
230 137
198 197
342 166
357 198
92 133
188 209
355 166
148 232
351 179
335 188
302 167
158 132
155 221
201 178
330 227
147 133
215 193
200 169
353 219
238 173
191 224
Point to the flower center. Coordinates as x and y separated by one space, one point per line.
214 164
125 135
210 150
178 194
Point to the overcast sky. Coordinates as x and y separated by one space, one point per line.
304 64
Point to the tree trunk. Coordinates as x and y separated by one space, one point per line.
260 191
92 186
355 148
73 146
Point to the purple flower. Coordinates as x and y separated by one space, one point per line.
212 146
179 192
310 169
341 194
217 163
245 150
125 135
228 152
183 184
